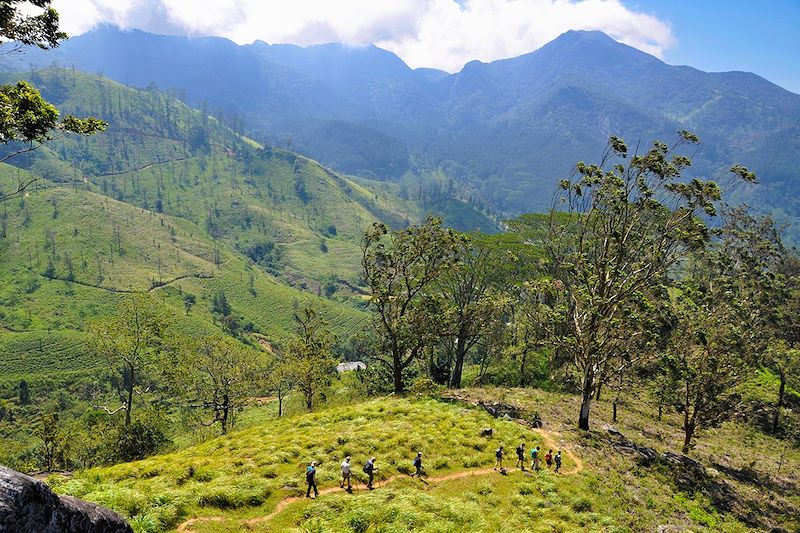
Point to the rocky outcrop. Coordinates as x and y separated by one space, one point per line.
28 505
627 447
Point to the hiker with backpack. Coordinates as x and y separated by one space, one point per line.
346 473
498 454
311 479
558 461
418 465
549 459
369 469
535 458
521 456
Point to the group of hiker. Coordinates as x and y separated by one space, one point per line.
549 459
369 467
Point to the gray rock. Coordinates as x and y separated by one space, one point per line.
627 447
27 504
675 459
486 432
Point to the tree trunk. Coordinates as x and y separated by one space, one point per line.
781 392
129 405
688 422
614 410
586 402
397 371
224 420
398 380
523 361
660 410
455 381
688 433
599 389
309 400
280 405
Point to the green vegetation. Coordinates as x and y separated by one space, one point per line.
241 477
249 468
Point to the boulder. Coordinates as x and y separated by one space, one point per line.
486 432
641 453
675 459
500 410
627 447
27 504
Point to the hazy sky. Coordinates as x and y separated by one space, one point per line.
709 34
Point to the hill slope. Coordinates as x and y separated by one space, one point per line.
236 482
59 273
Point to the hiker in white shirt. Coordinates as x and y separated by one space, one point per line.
346 473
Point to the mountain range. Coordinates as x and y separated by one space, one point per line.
505 130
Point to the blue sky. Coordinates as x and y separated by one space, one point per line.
761 36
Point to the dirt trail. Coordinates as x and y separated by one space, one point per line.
550 441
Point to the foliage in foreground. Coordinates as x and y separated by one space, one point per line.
248 468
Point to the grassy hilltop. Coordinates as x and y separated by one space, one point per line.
235 482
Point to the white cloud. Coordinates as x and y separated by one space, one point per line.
425 33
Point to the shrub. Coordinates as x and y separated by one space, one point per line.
471 462
581 505
485 489
141 439
441 464
358 521
423 386
145 523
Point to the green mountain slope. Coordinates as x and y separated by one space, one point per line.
170 199
163 156
69 256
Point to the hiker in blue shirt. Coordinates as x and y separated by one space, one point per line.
311 479
369 469
418 465
535 458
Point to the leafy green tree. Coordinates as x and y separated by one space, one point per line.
25 117
308 355
53 449
220 305
280 381
145 436
188 302
784 361
625 226
399 268
707 353
132 342
768 279
24 392
473 303
220 375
